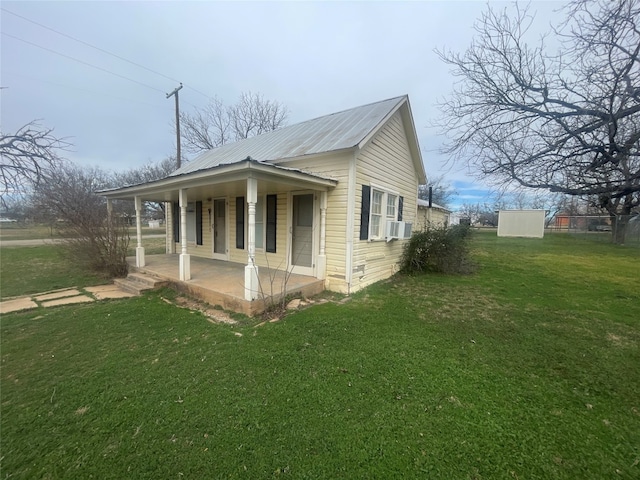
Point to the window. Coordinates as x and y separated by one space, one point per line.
176 222
240 222
391 206
194 223
272 210
378 207
265 222
198 223
376 213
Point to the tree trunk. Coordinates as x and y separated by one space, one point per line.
619 222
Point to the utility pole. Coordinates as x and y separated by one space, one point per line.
175 93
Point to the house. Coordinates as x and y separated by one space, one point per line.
330 198
431 214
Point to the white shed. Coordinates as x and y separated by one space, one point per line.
521 223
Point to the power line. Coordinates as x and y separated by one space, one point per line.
101 50
84 90
88 64
82 62
88 44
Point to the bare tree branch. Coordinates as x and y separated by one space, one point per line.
26 156
214 124
568 122
92 237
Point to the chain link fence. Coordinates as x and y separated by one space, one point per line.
624 228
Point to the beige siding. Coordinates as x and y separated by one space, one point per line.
384 163
336 167
430 216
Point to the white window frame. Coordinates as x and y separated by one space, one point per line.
384 214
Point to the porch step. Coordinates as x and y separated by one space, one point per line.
137 282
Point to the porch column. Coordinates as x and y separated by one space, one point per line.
139 249
321 270
185 259
170 246
110 220
251 285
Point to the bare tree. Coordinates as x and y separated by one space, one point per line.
93 238
26 156
253 115
441 191
146 173
207 128
216 124
567 122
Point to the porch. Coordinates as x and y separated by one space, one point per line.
219 282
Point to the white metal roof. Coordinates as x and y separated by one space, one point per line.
425 204
330 133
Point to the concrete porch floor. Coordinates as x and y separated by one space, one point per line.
218 282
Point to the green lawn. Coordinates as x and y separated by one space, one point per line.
529 368
21 231
25 270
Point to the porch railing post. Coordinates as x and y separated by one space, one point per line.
140 262
251 285
321 269
110 220
185 259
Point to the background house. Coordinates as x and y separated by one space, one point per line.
434 214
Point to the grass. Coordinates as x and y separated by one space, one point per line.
34 269
21 231
529 368
25 270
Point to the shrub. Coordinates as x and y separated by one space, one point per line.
438 249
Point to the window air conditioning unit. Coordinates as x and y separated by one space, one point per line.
398 230
394 230
408 227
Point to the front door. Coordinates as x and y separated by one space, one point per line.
302 234
219 228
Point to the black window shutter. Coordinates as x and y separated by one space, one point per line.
240 222
198 223
400 204
176 222
272 210
364 212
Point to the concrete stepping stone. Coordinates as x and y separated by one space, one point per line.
68 301
17 304
68 296
71 292
102 292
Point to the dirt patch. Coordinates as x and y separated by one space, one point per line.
619 340
213 314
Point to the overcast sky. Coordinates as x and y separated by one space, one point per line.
314 57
